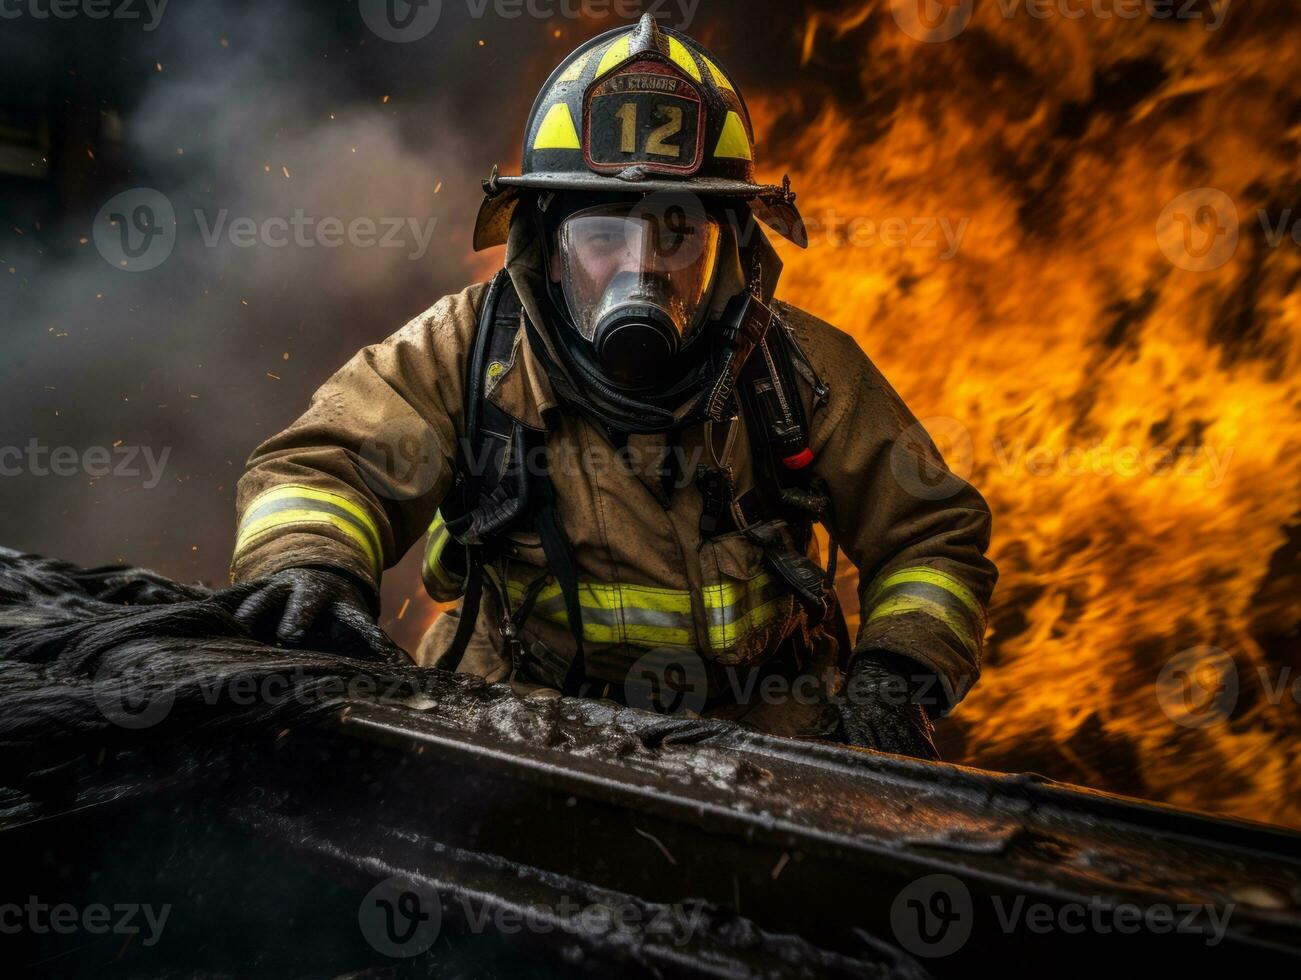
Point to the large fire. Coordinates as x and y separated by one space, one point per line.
1133 422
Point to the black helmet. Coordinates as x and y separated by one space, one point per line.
638 111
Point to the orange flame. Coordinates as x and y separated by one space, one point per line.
1129 406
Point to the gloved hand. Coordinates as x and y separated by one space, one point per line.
879 710
317 609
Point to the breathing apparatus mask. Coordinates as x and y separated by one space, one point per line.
636 280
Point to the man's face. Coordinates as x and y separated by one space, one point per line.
631 252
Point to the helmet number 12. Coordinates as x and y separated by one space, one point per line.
655 140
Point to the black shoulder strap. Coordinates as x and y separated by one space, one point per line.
786 498
484 458
494 340
497 486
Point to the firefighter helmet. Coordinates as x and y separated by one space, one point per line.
639 110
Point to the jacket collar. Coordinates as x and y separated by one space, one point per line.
523 391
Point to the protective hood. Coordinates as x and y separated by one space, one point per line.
577 380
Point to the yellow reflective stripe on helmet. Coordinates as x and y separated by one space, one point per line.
616 54
720 79
681 57
927 575
291 504
285 518
575 69
557 131
439 538
734 141
904 602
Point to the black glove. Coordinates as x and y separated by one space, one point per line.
879 709
316 609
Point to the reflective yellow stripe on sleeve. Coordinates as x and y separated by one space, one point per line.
934 593
291 505
447 583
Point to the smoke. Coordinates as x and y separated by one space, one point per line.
312 215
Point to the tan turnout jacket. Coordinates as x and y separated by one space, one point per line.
358 479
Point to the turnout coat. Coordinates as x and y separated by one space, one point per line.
359 478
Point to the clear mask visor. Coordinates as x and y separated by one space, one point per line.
637 255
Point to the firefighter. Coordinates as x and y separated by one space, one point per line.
619 447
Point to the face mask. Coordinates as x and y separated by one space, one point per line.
637 282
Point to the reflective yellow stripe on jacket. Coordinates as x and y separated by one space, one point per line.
290 506
650 616
931 592
445 584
